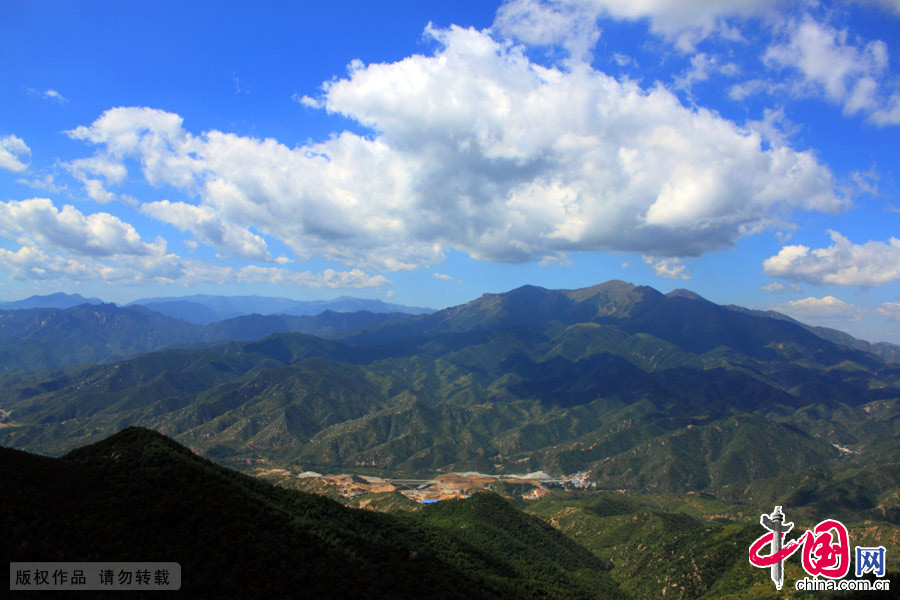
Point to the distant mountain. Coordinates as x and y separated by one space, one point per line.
37 339
192 312
203 309
89 333
139 496
325 324
664 393
884 350
58 300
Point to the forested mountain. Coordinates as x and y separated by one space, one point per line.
139 496
643 391
46 338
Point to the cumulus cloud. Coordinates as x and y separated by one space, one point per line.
572 25
443 276
670 268
65 244
14 154
30 262
828 308
829 62
153 136
209 228
88 171
38 222
33 263
455 161
843 263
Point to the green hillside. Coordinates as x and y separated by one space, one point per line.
642 391
138 496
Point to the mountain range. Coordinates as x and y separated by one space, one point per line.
640 390
204 309
58 300
61 330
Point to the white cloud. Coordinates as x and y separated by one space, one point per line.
329 278
774 127
890 310
54 95
703 66
828 308
68 245
48 94
829 62
33 263
866 182
209 228
623 60
443 276
842 263
305 100
572 23
155 137
14 153
38 222
781 287
670 268
45 183
87 169
455 162
741 91
890 5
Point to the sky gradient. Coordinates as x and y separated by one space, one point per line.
427 153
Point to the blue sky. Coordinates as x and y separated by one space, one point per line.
426 153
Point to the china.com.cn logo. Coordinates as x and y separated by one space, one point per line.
826 552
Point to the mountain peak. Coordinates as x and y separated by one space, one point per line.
683 293
129 443
59 300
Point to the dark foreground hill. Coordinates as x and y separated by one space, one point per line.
139 496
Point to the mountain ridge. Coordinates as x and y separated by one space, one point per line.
609 380
140 496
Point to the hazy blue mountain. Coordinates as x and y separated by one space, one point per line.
327 324
37 339
192 312
58 300
89 333
218 308
886 351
